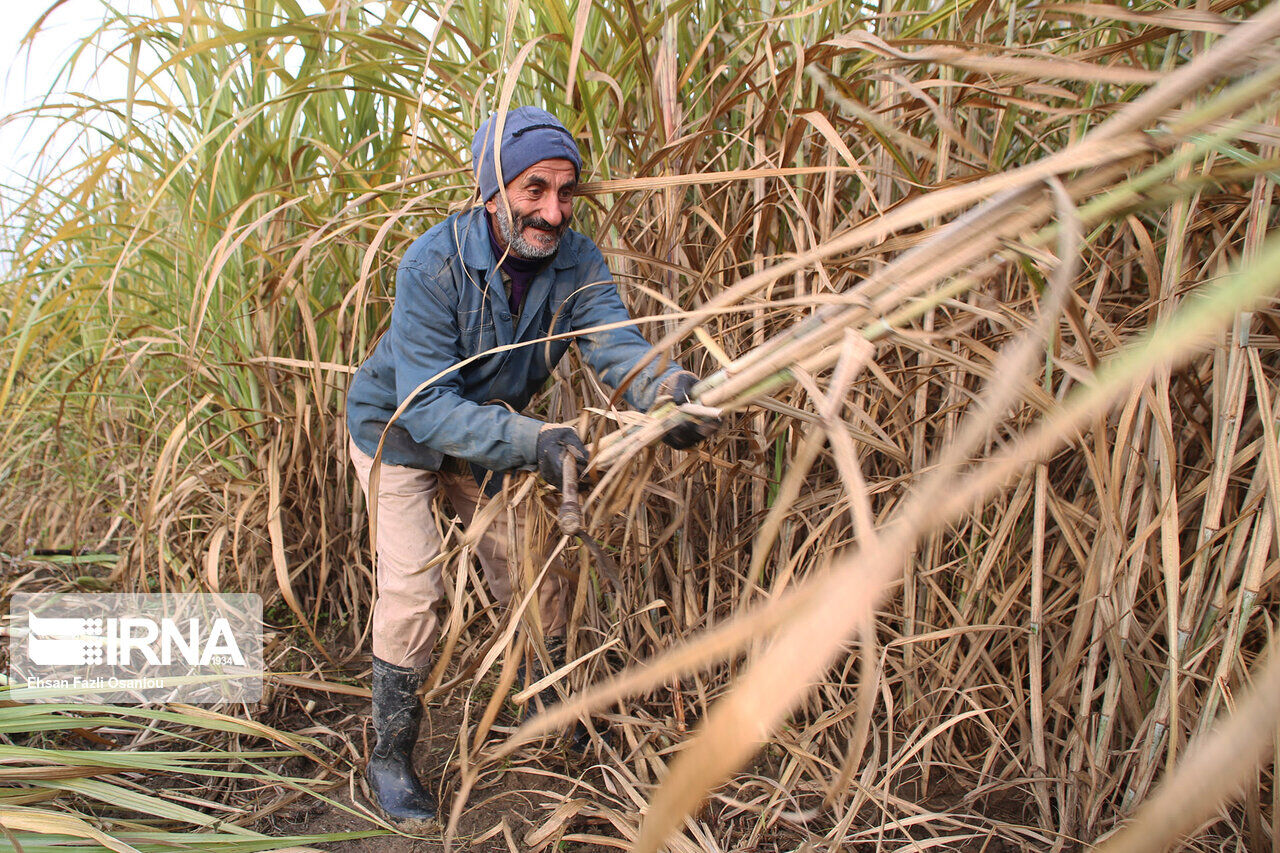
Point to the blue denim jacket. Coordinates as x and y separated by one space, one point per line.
450 306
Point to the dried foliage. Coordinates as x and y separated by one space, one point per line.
989 538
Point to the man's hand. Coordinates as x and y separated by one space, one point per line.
686 434
555 441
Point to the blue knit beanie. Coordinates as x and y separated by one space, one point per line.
529 135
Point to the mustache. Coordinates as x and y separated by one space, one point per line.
536 221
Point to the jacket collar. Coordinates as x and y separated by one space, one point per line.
476 253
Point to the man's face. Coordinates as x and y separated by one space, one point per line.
540 203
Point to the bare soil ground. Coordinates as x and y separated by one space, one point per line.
500 813
521 797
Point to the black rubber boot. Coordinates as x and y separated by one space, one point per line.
397 714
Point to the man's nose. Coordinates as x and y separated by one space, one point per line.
550 210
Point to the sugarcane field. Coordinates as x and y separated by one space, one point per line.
574 426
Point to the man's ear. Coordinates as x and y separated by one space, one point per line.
492 205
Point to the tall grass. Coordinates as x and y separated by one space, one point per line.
985 292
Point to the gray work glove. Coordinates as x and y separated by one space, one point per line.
555 441
686 434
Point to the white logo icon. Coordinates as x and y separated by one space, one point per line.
63 641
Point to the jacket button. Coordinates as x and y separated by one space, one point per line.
505 315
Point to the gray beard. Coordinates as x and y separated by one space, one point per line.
516 242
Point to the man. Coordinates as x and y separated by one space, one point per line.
507 272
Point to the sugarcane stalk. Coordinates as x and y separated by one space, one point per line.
757 373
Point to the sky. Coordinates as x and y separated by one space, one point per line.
28 75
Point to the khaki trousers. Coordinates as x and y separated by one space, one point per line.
410 587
